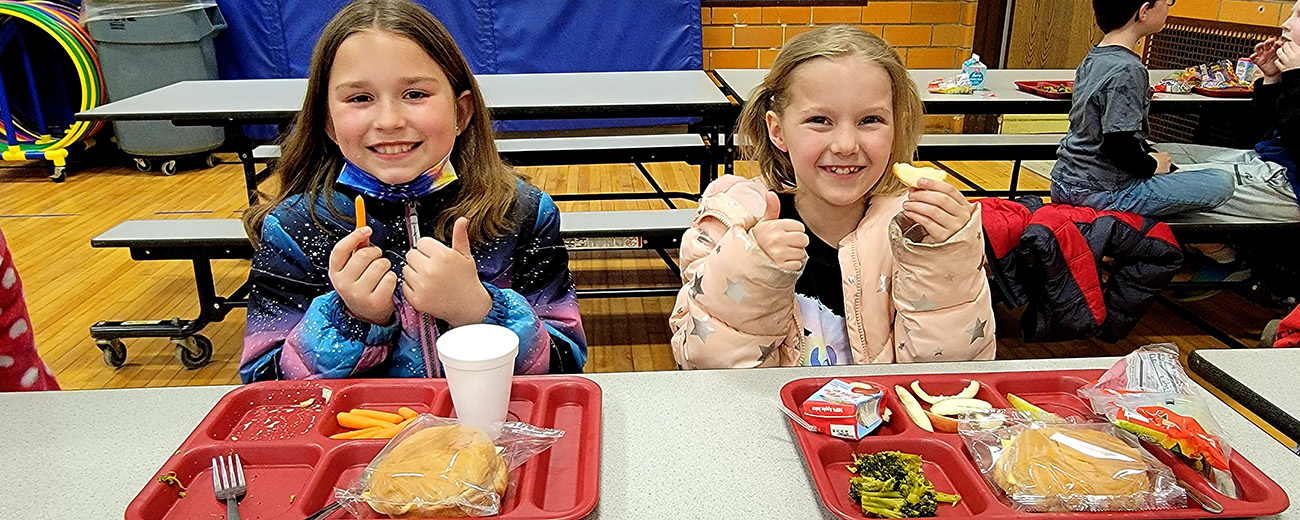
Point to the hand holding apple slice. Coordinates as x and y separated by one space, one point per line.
912 175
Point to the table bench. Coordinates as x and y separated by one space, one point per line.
989 147
203 240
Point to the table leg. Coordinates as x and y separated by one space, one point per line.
244 147
1015 178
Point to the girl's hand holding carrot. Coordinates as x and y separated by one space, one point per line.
443 281
362 277
939 208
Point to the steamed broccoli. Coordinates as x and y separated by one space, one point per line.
886 465
891 484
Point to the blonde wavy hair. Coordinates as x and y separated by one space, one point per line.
773 94
486 190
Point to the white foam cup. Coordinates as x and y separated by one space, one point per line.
479 362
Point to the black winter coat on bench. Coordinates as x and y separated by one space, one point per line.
1049 257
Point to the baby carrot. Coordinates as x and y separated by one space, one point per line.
392 431
358 434
361 212
376 414
407 413
348 420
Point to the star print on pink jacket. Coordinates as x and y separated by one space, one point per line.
905 301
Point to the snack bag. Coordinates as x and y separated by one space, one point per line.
1148 394
959 84
974 69
437 468
1067 467
1180 82
1217 75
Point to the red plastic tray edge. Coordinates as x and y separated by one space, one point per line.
1032 87
1236 92
581 508
1275 498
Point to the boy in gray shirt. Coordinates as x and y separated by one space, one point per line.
1104 162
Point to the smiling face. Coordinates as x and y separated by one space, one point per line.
837 128
392 110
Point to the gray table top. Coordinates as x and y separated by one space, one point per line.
509 96
1260 379
85 455
188 233
657 222
1005 98
174 233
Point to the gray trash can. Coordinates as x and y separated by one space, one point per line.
150 51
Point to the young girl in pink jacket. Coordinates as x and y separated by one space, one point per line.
830 259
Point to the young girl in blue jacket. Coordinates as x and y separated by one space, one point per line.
453 236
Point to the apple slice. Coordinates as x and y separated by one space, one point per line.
957 405
913 408
968 392
912 175
941 423
1034 412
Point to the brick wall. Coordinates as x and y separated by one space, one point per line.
928 34
1259 12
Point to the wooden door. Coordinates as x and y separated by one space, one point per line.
1051 34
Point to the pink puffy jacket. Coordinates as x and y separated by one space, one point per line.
905 301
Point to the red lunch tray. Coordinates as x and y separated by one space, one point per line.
1234 92
1036 88
292 466
949 466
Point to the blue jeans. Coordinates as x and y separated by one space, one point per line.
1177 192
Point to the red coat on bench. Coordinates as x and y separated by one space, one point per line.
1048 258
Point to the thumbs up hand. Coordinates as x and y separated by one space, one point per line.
443 281
783 240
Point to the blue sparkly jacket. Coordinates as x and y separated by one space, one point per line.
299 328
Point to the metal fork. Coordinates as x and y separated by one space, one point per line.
228 482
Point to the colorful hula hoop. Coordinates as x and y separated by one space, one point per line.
59 22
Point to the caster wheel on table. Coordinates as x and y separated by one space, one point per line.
59 174
210 161
193 352
169 167
114 352
143 165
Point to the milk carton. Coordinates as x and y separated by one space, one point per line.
975 69
845 410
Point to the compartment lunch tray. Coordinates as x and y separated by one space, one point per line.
948 463
281 429
1037 88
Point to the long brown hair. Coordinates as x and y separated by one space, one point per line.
773 94
486 189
